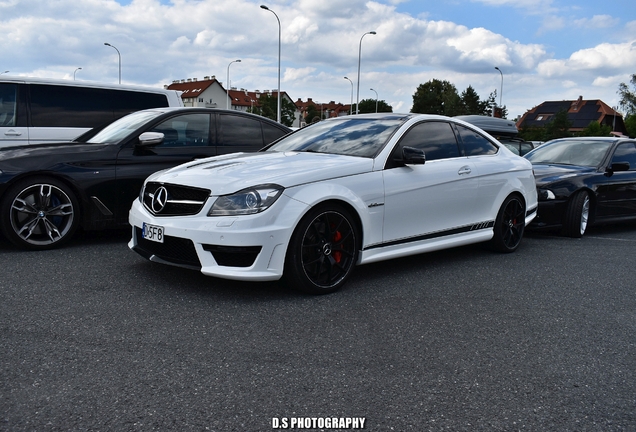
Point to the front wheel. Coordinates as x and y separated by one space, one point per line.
323 250
39 213
509 225
577 215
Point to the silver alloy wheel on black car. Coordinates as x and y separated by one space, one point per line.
39 213
322 251
577 215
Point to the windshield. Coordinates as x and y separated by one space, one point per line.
120 129
350 136
571 152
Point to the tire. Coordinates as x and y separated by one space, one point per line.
323 250
577 215
39 213
509 225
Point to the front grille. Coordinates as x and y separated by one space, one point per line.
233 256
173 200
174 250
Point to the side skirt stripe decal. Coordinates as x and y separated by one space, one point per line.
475 227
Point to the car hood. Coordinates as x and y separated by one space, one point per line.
231 173
23 157
548 173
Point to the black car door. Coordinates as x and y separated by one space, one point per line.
187 136
617 194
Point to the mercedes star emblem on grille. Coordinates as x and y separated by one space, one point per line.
159 199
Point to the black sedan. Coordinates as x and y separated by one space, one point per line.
48 191
584 181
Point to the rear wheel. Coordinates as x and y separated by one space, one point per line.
39 213
577 215
509 225
323 250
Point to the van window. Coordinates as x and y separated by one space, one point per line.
8 104
67 106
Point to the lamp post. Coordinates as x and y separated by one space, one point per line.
351 104
74 72
119 54
359 56
227 104
279 32
501 91
376 100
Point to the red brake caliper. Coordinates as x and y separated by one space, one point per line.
337 255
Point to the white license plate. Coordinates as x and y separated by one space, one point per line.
152 232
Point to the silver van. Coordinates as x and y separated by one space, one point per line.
36 110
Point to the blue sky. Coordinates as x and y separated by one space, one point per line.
546 49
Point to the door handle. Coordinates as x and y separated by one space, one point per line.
11 132
464 170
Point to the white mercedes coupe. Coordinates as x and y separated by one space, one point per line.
339 193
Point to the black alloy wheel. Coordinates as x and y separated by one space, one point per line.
509 225
39 213
323 250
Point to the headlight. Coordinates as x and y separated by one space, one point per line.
546 194
247 201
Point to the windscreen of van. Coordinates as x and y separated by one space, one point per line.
85 107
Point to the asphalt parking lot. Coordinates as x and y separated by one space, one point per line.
96 338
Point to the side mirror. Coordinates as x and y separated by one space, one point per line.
616 167
149 139
413 156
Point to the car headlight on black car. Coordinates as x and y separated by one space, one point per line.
247 201
546 194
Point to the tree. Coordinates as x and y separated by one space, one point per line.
630 124
628 97
437 97
368 106
268 106
596 129
471 103
559 127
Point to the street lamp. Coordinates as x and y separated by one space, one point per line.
376 100
119 54
359 56
351 104
227 105
75 72
279 32
501 92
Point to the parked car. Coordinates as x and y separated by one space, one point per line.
504 130
582 181
340 192
47 191
39 110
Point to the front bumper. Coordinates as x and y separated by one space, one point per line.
249 247
550 214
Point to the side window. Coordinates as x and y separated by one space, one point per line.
192 130
8 104
626 153
67 106
435 138
125 102
271 133
240 131
475 144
